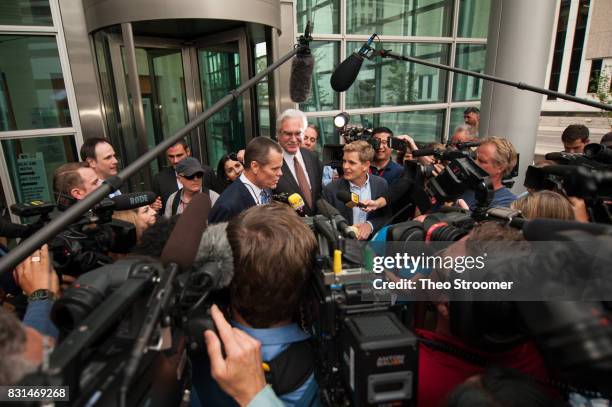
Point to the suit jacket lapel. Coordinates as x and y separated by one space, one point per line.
346 212
289 176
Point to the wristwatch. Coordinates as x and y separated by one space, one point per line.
42 294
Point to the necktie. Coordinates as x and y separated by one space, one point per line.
264 198
302 182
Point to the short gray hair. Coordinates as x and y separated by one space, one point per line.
291 114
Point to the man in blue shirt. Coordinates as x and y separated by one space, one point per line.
497 157
273 253
382 164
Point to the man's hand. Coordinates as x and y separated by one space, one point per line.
157 205
438 168
364 230
580 211
409 142
372 205
240 374
240 156
36 273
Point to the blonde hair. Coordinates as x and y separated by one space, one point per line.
505 154
363 148
545 204
131 216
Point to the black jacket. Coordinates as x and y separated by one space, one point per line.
378 187
314 168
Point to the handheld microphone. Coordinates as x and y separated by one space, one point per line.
294 200
302 65
350 199
346 73
133 200
330 212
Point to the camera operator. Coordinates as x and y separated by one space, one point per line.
575 137
497 157
273 256
455 347
39 282
357 180
73 182
239 373
382 164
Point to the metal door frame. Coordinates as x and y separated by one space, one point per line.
189 54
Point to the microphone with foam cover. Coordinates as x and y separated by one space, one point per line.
346 73
133 200
300 82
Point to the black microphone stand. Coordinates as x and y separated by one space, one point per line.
520 85
57 225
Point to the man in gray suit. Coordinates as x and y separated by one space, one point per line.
358 182
302 170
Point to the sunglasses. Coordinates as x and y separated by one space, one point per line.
194 176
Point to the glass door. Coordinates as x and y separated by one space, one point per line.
222 62
164 99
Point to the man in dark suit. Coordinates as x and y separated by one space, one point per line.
165 182
263 159
357 180
302 169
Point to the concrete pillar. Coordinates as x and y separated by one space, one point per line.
518 46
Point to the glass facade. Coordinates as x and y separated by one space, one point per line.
409 98
38 132
32 90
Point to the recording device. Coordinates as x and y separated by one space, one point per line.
584 176
85 244
294 200
302 65
350 199
345 74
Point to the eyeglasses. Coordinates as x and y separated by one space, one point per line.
296 134
197 175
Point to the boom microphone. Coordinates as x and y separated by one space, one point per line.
346 73
133 200
302 65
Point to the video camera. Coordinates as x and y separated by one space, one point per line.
587 176
85 244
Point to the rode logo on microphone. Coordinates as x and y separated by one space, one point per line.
136 200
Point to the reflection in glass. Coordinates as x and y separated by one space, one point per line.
456 118
424 18
220 73
262 91
474 18
324 14
327 131
162 88
386 82
472 58
323 97
32 91
423 125
31 163
28 12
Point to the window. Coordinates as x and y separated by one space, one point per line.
594 75
32 90
20 12
472 58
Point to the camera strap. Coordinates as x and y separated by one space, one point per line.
290 369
